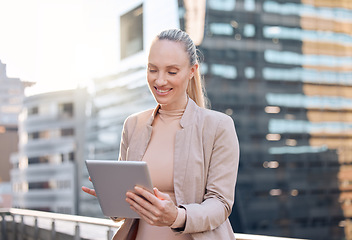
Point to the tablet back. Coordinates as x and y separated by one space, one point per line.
111 181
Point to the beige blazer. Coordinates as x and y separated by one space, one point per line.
205 168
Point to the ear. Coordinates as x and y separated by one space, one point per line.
194 69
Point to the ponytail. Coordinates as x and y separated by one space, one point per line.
196 90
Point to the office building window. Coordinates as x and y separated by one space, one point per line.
249 72
53 184
225 71
249 30
131 26
66 109
34 135
249 5
221 29
222 5
33 111
48 159
67 132
71 156
204 68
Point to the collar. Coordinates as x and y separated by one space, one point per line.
187 118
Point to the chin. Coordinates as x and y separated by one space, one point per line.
162 102
160 99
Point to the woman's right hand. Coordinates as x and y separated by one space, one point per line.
88 190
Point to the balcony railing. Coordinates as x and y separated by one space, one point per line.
28 224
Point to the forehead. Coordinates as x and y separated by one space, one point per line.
166 52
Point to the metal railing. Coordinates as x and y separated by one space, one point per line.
11 224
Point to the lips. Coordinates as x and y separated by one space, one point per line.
162 91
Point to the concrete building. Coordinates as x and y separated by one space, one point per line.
46 171
11 98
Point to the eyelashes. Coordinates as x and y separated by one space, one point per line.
154 71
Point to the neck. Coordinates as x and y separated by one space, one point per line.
168 107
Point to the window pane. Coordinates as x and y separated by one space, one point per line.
131 32
223 5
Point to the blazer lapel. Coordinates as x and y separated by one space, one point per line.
144 139
182 149
139 143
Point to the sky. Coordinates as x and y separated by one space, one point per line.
59 44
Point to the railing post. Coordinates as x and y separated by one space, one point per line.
14 227
36 230
110 233
21 237
3 227
77 232
53 230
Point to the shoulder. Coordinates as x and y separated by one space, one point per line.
139 118
204 118
215 118
141 115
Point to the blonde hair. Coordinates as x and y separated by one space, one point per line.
195 89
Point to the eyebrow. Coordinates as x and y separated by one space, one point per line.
170 66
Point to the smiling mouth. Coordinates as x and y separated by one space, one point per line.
162 91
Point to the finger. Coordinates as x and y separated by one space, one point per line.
161 195
134 198
147 195
162 214
146 215
142 205
89 191
143 216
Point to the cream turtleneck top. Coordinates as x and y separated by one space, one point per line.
160 158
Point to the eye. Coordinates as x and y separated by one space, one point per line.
172 73
152 70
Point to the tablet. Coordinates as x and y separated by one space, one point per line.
111 181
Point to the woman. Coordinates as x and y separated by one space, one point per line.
192 152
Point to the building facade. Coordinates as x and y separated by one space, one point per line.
46 171
282 70
11 98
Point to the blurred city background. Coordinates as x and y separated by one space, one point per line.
72 71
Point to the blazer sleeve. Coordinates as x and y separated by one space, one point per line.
220 184
124 141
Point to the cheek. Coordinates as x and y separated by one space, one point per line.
149 79
184 82
182 85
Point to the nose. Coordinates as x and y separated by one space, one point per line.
161 79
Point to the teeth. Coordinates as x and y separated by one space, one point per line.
162 91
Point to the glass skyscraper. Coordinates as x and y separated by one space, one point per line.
282 70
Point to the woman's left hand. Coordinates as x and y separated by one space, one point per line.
157 210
